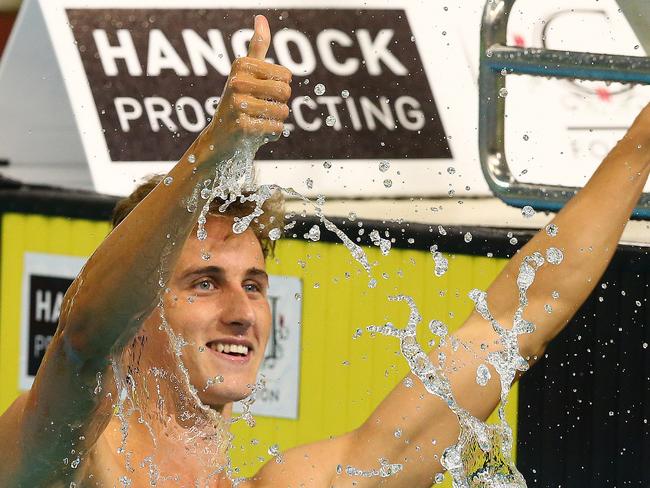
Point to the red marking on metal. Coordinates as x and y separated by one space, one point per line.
604 94
519 40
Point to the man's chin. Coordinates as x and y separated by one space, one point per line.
219 399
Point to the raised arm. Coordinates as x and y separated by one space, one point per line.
119 286
590 226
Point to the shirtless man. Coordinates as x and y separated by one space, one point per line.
116 295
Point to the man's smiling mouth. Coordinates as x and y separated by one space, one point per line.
230 350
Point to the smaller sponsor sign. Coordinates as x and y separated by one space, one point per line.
46 277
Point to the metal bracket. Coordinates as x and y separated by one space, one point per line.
497 56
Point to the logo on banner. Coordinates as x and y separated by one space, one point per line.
156 76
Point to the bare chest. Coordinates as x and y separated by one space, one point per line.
107 466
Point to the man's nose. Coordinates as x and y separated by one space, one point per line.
237 309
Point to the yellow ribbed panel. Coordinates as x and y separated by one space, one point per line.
342 377
32 233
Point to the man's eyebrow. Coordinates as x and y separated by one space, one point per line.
257 272
203 270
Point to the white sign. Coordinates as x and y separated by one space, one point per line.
46 277
281 366
111 91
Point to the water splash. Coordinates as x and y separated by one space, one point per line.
385 470
481 457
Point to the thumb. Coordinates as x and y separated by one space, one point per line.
261 40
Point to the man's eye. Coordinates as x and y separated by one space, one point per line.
252 287
205 285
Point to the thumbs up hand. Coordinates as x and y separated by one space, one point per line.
254 101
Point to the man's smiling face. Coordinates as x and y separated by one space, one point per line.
219 306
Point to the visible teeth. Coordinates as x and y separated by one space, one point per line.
230 348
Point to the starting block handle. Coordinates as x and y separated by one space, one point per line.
497 56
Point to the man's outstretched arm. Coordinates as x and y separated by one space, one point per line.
590 226
119 286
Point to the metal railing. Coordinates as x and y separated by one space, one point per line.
497 59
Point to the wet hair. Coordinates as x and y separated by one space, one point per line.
273 216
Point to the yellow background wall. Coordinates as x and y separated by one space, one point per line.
341 378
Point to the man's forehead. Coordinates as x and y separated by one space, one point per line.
222 242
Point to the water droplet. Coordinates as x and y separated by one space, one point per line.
408 382
528 211
191 159
310 183
330 121
526 137
206 193
468 237
552 230
483 375
451 170
313 234
319 89
555 294
286 132
384 166
275 234
554 255
504 72
327 165
503 92
244 105
513 241
548 308
398 433
438 328
345 94
388 183
352 216
439 478
168 181
442 231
